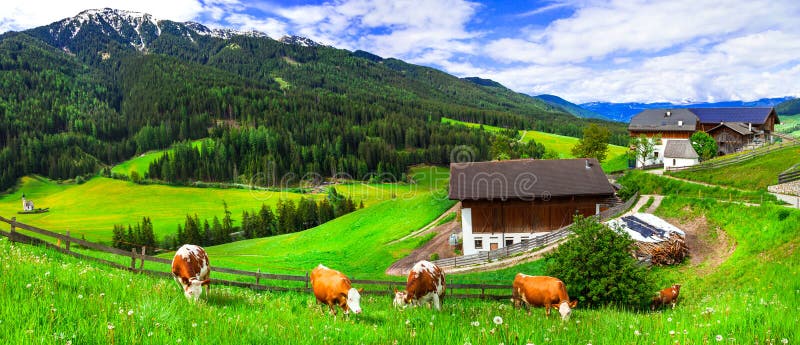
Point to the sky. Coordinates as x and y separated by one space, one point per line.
676 51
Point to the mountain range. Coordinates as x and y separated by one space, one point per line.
88 91
623 112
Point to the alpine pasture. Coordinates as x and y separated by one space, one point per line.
748 296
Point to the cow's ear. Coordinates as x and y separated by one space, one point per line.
395 291
573 304
361 290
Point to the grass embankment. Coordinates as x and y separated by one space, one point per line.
750 298
141 163
653 184
790 125
617 155
754 174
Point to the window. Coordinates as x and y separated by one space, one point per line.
478 244
673 162
509 242
655 154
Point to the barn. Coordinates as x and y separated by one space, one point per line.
506 202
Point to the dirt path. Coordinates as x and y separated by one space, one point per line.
427 228
709 246
438 245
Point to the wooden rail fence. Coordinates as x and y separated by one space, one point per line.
790 175
738 158
254 280
526 245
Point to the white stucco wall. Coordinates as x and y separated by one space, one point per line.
679 162
468 244
656 149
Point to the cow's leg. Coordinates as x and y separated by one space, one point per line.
547 309
436 303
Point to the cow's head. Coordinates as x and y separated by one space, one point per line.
676 288
354 300
400 298
565 309
194 288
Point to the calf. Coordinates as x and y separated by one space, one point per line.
190 269
331 287
425 285
540 291
668 295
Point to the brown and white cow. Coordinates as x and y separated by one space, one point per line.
190 269
425 285
541 291
666 296
331 287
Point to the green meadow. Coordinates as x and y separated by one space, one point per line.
141 163
789 125
617 155
748 297
755 174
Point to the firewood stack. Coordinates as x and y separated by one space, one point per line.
669 252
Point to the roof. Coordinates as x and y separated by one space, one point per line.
738 127
680 148
755 115
528 179
657 120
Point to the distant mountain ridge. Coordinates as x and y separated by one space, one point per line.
571 108
790 107
623 112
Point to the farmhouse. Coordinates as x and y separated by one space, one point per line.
734 129
27 205
679 153
506 202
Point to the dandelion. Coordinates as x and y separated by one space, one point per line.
671 333
102 294
784 341
669 319
719 337
194 324
685 331
498 320
149 334
110 326
408 321
28 286
130 312
475 323
637 333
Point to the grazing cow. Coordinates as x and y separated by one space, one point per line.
331 287
544 292
425 285
668 295
190 269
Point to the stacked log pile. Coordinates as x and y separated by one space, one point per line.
669 252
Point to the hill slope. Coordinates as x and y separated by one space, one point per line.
570 107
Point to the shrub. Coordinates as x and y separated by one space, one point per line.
597 267
434 257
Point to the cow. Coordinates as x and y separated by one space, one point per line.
331 287
665 296
190 269
541 291
425 285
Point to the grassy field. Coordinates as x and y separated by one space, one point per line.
617 155
789 125
750 298
755 174
142 162
92 208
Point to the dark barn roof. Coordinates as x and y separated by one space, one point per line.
738 127
679 148
746 115
528 179
657 120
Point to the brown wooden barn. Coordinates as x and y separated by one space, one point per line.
505 202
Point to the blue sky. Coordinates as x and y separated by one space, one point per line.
582 50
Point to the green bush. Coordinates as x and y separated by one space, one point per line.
598 269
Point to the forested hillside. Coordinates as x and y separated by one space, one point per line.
100 87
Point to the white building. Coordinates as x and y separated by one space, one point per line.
679 153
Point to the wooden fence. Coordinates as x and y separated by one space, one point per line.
790 175
526 245
725 161
254 280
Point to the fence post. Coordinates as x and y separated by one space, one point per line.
67 244
141 264
258 276
483 291
306 280
12 234
133 259
455 261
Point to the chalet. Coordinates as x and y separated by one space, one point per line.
734 129
506 202
679 153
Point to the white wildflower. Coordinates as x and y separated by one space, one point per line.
498 320
110 326
475 323
130 312
637 333
719 337
28 286
194 324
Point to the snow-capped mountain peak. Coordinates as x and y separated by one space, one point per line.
299 40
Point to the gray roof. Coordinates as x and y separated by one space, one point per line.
528 179
657 120
679 148
738 127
